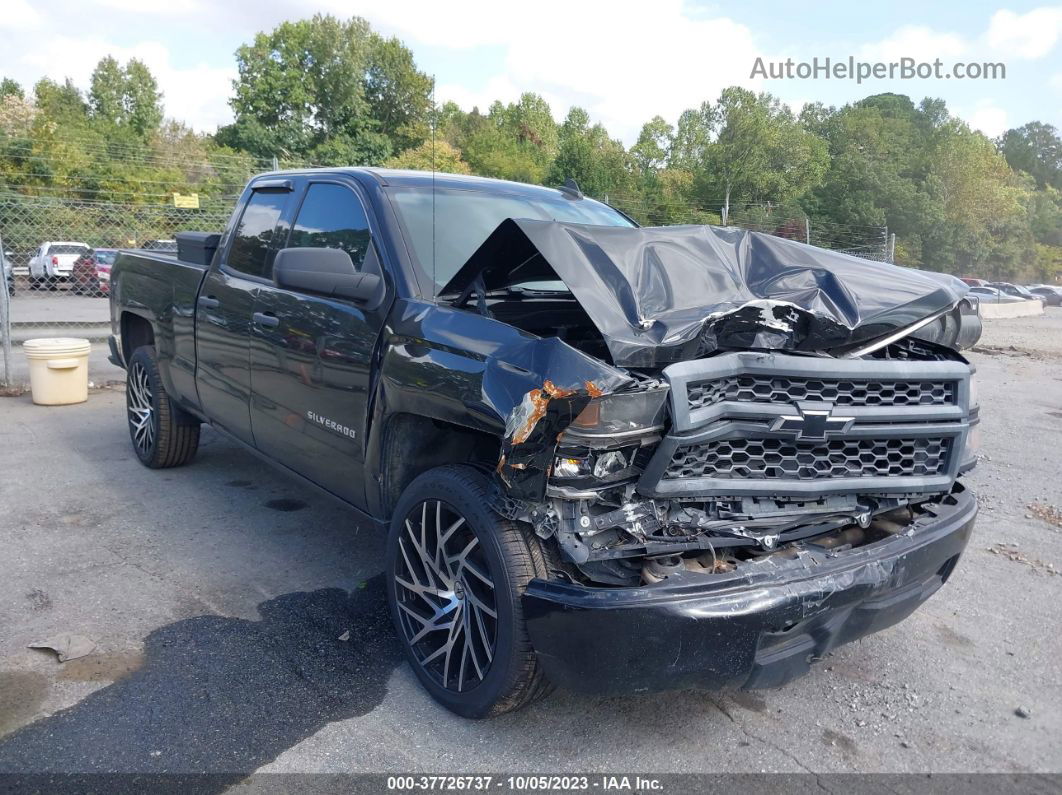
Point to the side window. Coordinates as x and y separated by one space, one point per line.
332 217
250 244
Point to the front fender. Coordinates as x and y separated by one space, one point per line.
470 370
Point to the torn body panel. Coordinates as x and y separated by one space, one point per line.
473 371
661 295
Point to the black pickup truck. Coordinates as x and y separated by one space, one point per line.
608 458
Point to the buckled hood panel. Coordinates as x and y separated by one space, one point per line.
666 294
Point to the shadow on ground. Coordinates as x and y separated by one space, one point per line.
221 696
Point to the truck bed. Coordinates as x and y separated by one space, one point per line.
162 289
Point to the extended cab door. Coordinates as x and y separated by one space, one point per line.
225 305
311 357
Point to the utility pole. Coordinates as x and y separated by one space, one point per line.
807 230
276 163
891 251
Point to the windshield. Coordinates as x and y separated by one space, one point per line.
465 218
105 257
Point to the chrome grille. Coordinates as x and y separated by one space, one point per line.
840 392
760 459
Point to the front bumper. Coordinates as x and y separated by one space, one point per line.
758 628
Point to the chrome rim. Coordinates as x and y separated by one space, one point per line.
446 597
141 411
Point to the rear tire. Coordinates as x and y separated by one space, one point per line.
456 574
163 434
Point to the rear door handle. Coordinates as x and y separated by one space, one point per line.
266 320
209 302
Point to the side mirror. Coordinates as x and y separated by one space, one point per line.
324 271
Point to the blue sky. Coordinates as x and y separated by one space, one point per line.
624 62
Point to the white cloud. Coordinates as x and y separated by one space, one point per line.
196 94
1029 35
621 63
155 7
19 15
987 117
913 41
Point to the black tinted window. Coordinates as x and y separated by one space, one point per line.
332 217
253 235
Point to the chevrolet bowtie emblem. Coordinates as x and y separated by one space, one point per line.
813 423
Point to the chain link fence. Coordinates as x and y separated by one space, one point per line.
57 255
860 240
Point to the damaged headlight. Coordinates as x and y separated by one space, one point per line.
600 465
622 414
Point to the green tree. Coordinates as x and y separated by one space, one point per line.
11 88
399 95
1045 215
107 91
126 97
143 101
326 89
982 204
1036 149
693 135
651 151
760 151
440 157
517 141
585 153
59 101
878 172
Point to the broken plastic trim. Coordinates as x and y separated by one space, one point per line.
537 412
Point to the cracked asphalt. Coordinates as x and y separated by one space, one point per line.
217 594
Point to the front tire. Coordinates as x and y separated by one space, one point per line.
456 575
163 435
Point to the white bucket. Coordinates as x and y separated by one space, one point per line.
58 370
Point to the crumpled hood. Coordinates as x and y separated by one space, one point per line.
665 294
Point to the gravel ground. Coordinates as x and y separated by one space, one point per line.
216 596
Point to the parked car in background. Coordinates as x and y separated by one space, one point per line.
994 295
91 274
162 246
1051 296
973 281
1015 290
53 262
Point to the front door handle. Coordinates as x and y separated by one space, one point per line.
209 302
265 319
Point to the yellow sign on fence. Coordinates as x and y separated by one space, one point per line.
187 202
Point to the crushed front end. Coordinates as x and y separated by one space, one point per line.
761 463
733 517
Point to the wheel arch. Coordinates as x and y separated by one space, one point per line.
413 444
136 331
